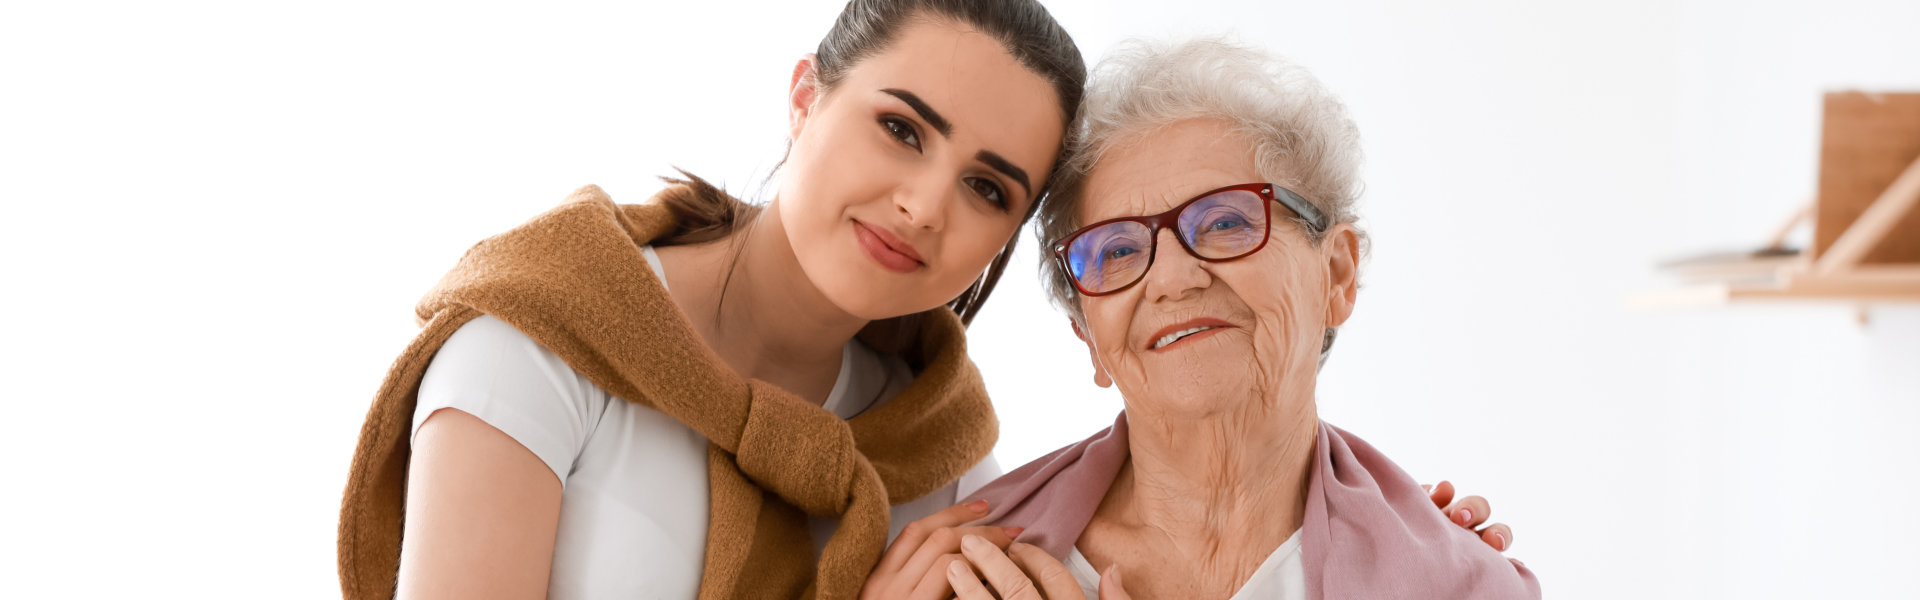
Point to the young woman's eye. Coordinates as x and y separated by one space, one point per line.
901 130
988 191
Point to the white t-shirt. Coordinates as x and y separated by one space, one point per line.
634 499
1280 577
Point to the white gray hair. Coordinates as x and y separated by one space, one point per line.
1302 138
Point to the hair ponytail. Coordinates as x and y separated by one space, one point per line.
704 213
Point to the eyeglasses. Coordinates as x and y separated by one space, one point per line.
1217 226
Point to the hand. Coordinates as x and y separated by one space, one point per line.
915 566
1469 513
1011 573
1110 585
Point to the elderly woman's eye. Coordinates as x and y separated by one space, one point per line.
1224 225
988 191
901 130
1122 252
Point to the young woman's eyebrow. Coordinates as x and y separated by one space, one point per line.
940 123
1002 165
926 112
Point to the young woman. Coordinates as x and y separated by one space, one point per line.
676 398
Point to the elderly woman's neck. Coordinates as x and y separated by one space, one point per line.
1233 484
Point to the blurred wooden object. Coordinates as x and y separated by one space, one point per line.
1866 242
1869 181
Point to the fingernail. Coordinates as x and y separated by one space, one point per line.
1114 572
1014 532
956 569
1464 516
973 542
1503 541
978 506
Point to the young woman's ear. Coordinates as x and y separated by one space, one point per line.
1342 247
1100 377
802 93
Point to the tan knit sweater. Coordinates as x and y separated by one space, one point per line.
575 281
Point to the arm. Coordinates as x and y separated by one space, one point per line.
481 513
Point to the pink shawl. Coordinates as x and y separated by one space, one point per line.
1369 532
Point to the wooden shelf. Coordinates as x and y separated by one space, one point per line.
1866 230
1873 284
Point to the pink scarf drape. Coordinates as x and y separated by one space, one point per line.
1369 532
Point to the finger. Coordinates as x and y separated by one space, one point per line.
1498 535
933 584
1052 576
1469 512
1110 588
1441 494
915 534
1007 578
966 585
946 540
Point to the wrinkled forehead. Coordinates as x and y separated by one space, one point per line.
1156 171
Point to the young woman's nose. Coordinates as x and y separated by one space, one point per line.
923 202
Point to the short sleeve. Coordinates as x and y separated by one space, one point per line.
494 372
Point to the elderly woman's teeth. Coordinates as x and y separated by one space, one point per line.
1175 337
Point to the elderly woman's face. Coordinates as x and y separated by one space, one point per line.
1263 315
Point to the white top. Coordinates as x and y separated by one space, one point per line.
1281 577
633 507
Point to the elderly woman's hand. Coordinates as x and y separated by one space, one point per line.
1019 572
988 568
1469 513
915 566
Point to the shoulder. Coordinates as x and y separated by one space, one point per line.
485 335
488 352
493 371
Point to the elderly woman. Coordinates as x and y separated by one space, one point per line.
1204 244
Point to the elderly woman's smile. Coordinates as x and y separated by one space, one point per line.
1192 329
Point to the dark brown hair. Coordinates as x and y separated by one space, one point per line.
867 27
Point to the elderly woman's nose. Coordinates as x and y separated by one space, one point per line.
1175 272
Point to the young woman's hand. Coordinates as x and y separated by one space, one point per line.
915 566
1469 513
1017 572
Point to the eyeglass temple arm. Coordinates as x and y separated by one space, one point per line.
1300 206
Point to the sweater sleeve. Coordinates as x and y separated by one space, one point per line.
494 372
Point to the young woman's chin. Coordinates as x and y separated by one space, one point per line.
872 292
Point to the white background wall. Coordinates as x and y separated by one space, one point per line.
215 218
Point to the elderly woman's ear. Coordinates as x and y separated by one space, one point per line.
1342 249
1100 377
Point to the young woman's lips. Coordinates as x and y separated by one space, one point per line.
887 249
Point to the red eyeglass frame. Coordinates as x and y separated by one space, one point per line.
1316 221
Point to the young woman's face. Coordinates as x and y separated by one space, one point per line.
906 180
